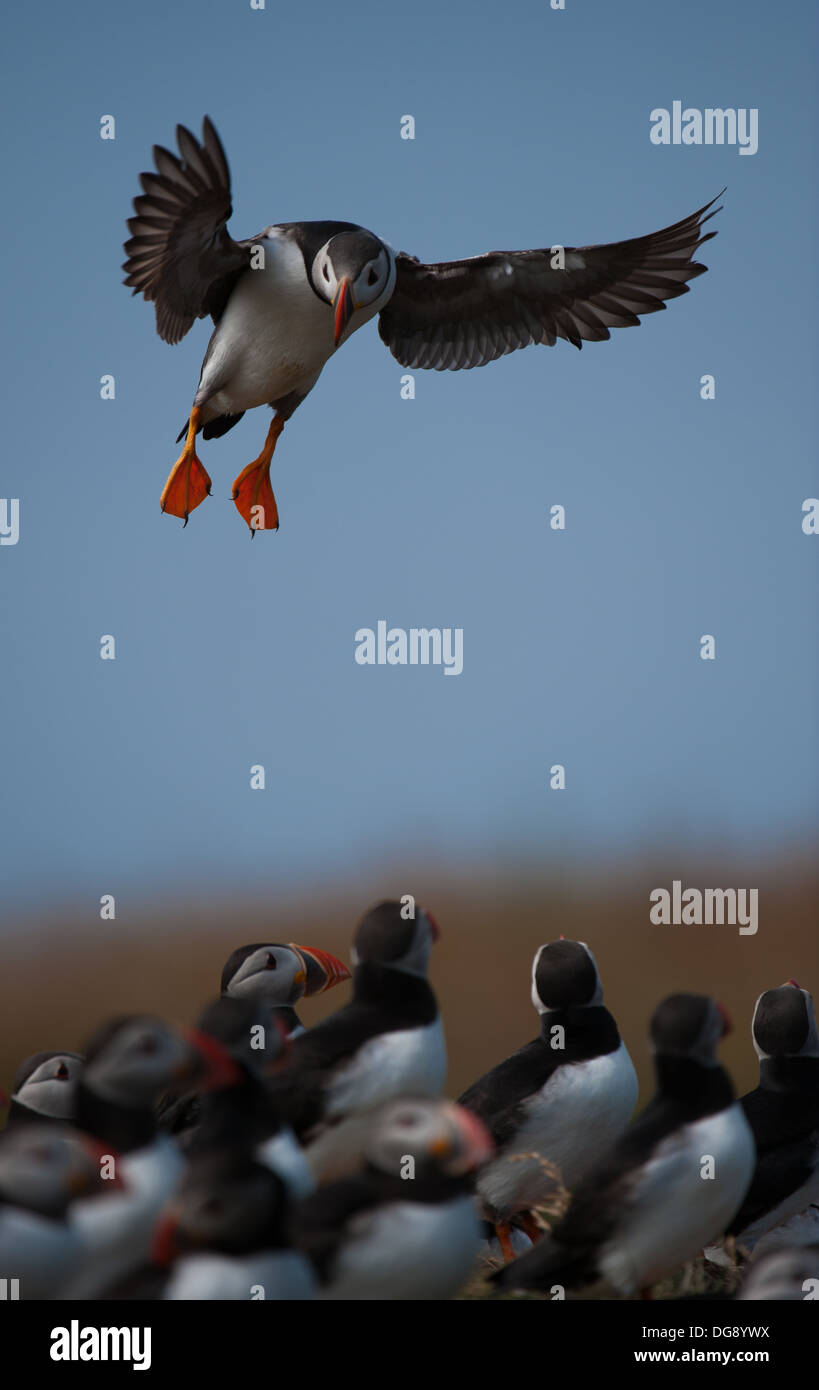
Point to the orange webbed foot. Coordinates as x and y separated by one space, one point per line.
188 483
254 497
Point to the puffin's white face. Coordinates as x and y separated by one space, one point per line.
272 973
355 273
438 1135
51 1087
41 1168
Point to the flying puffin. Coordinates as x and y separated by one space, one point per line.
783 1112
564 1098
672 1182
386 1043
406 1226
44 1088
280 976
283 301
128 1063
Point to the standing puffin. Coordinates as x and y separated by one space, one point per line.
783 1112
387 1042
129 1062
672 1182
280 976
44 1088
283 301
565 1097
406 1226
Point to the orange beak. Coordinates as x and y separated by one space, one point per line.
344 308
323 970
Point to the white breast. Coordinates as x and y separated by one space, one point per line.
407 1250
572 1122
674 1210
268 1275
116 1228
284 1155
410 1062
274 336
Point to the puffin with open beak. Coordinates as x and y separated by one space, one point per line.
284 301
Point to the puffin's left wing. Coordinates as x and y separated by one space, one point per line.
180 254
461 314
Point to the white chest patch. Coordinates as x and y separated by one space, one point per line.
411 1062
675 1207
407 1250
572 1122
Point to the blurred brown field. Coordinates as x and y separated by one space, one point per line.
61 976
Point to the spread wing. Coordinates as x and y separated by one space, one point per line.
461 314
180 254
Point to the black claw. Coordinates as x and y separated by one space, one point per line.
185 522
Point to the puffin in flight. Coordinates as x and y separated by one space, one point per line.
285 300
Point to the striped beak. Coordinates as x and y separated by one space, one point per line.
344 307
322 970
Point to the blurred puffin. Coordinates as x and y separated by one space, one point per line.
387 1042
280 976
129 1062
564 1098
226 1235
406 1227
43 1169
673 1181
44 1088
783 1112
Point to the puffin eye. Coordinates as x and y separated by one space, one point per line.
325 272
270 961
62 1072
148 1044
372 275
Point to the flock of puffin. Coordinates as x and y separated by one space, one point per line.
251 1158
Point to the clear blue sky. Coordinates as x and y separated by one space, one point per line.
683 517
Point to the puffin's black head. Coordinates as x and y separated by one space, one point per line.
564 974
353 271
784 1024
246 1029
46 1084
385 936
131 1060
226 1203
689 1025
280 975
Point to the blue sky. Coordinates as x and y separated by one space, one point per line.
683 517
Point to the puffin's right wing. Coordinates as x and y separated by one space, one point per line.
180 254
461 314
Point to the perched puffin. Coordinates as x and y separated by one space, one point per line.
283 301
44 1089
406 1227
242 1113
564 1098
226 1235
387 1042
129 1062
783 1112
280 976
43 1168
672 1182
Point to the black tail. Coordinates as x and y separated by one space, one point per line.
214 429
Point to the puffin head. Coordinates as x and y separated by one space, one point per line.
440 1137
689 1026
43 1168
130 1061
564 975
227 1203
280 975
784 1023
354 271
386 936
46 1084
